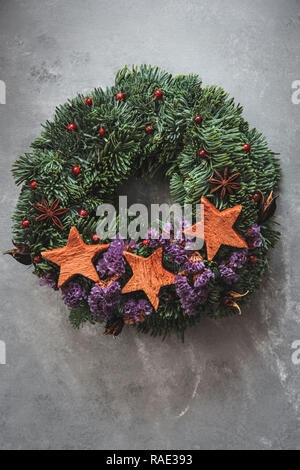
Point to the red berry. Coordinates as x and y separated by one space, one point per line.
202 153
33 184
158 94
71 127
120 96
25 223
37 259
95 238
252 259
83 213
101 131
255 197
76 170
149 129
89 101
198 119
145 242
247 147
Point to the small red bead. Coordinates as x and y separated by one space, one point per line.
83 213
25 223
101 131
158 94
145 242
247 147
95 238
37 259
71 127
76 170
198 119
256 197
252 259
120 96
33 184
89 101
202 153
149 129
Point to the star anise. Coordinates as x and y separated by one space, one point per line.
224 182
50 212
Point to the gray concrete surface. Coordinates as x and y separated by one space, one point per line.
232 384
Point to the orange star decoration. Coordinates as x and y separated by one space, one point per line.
149 275
75 258
218 228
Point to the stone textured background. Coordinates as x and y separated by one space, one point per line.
232 384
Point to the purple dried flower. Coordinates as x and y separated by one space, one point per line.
101 268
228 268
112 262
186 295
103 301
168 227
154 234
192 297
253 231
202 295
253 236
134 309
50 280
130 308
203 279
73 294
183 223
229 275
238 259
155 238
177 254
133 244
191 267
256 243
154 243
144 306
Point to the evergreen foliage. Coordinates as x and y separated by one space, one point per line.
126 151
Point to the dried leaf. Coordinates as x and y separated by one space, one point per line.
267 208
235 305
236 295
107 282
196 257
230 301
114 327
20 253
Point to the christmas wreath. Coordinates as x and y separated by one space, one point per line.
148 124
